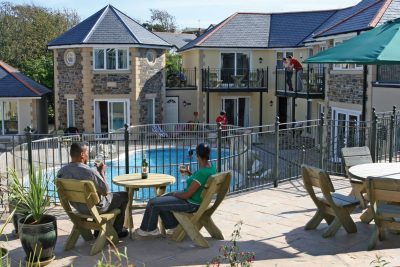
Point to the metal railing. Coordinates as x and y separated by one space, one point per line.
228 78
257 156
185 78
388 74
312 81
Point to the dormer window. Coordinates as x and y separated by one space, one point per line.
110 58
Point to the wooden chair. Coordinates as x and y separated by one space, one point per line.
81 191
354 156
191 223
384 195
334 208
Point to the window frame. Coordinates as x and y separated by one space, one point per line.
2 118
73 112
153 103
116 49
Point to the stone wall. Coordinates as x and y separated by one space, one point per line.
69 83
111 84
151 83
345 88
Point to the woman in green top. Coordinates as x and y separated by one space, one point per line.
187 201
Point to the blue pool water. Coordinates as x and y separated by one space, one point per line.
165 161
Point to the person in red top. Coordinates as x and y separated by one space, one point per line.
296 65
222 119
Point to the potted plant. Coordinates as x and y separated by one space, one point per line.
38 230
4 259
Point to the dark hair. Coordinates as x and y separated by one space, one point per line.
284 58
77 148
203 151
289 56
222 113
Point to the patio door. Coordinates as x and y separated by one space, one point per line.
237 110
110 115
234 64
346 130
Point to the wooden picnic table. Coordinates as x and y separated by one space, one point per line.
133 182
380 170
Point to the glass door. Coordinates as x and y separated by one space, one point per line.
110 115
227 67
237 110
346 131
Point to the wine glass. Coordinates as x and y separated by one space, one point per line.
98 160
183 169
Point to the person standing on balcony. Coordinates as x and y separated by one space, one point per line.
288 73
296 65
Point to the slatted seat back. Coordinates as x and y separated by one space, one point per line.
79 191
217 187
317 178
383 190
354 156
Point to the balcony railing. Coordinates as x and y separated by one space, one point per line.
310 85
185 78
227 79
388 74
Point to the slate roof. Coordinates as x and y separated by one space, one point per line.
15 84
290 29
239 30
293 29
108 26
176 39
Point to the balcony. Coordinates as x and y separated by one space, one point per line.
185 79
234 80
387 76
312 83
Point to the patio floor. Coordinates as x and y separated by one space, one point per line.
273 220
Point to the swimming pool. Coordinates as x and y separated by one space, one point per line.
165 160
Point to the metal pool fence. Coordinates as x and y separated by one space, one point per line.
257 156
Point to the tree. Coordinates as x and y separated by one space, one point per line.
25 31
160 21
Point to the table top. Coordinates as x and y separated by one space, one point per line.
383 170
135 180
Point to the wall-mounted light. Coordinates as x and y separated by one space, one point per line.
186 103
260 60
271 103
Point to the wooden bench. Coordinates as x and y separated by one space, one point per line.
332 207
384 196
191 223
84 191
354 156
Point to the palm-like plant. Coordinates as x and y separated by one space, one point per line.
32 200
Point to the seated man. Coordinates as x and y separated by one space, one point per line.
79 170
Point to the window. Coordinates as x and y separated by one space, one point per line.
110 59
151 56
279 58
150 111
70 113
110 115
8 117
345 66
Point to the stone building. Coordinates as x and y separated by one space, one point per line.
108 71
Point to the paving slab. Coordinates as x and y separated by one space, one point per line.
273 228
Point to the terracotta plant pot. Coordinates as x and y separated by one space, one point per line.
39 238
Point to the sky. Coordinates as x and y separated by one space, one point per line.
190 13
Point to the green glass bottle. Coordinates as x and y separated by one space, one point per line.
145 169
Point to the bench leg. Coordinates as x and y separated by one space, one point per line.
100 241
72 238
179 234
315 221
191 230
210 226
373 238
333 228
